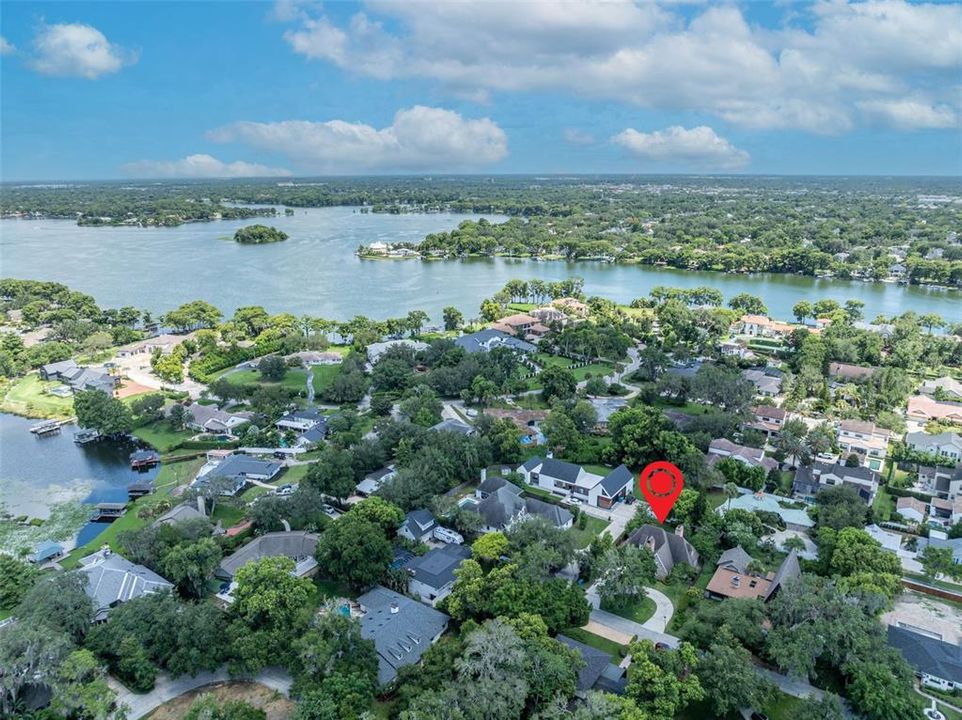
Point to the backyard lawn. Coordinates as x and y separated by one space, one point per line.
161 437
323 376
593 528
294 379
597 642
28 396
171 475
639 610
594 369
884 505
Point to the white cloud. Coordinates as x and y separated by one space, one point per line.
6 47
710 59
911 114
575 136
75 50
419 138
200 166
697 148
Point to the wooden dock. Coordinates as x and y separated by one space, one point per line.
108 512
50 427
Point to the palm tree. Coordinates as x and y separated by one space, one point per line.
731 491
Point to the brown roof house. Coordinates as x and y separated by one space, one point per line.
669 549
733 579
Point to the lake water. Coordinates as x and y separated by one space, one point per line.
44 470
316 272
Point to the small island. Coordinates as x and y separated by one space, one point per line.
259 235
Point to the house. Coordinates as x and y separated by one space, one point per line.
762 326
937 663
945 512
888 540
164 344
432 574
546 315
948 387
850 373
374 481
811 479
301 420
402 629
297 545
240 469
376 350
941 481
487 340
733 579
46 552
182 512
597 671
55 371
455 426
311 437
503 507
571 306
864 439
573 481
912 509
753 457
922 408
310 358
605 408
418 526
112 580
521 325
939 539
793 518
209 419
767 382
669 549
884 329
736 348
78 377
768 419
948 444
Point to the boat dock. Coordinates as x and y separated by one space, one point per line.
86 436
138 490
48 427
144 459
108 512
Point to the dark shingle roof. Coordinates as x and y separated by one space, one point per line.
616 480
595 662
788 570
560 469
736 558
436 567
926 654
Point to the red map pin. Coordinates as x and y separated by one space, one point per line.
661 483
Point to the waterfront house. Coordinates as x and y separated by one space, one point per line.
183 512
376 350
240 469
209 419
46 552
568 480
763 326
112 580
402 629
486 340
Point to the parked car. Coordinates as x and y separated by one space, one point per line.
329 509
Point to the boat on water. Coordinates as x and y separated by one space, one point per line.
144 459
85 436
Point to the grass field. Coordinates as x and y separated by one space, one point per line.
884 505
28 396
593 370
171 475
638 610
323 376
161 437
597 642
295 379
593 527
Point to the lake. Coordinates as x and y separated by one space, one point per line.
316 272
37 472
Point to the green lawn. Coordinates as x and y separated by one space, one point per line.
294 379
594 369
28 396
171 475
593 527
597 642
689 408
161 437
227 514
884 505
639 610
323 376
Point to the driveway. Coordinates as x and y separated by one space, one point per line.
618 516
628 628
167 688
657 622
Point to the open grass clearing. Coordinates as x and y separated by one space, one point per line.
29 396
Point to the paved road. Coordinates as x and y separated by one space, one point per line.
618 516
657 622
630 628
167 688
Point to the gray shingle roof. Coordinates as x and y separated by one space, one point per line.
560 469
485 340
926 654
297 545
736 558
436 567
788 570
669 549
112 579
178 513
595 662
418 521
243 465
457 426
400 637
616 480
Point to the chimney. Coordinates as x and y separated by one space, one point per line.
680 531
484 474
201 507
395 608
650 543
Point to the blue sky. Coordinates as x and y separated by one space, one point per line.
114 90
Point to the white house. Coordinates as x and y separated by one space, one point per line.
573 481
946 443
432 574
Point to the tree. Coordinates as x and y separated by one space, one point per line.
453 319
134 666
191 565
625 572
728 676
828 708
801 310
59 602
272 368
562 434
386 515
267 594
557 383
882 689
354 550
938 561
840 507
489 547
748 304
415 321
16 578
421 406
29 653
663 682
333 473
102 412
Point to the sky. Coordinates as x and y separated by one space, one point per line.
247 89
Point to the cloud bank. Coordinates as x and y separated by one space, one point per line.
698 148
200 166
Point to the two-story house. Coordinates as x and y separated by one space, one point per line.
864 439
574 482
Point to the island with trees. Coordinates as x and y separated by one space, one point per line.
259 235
